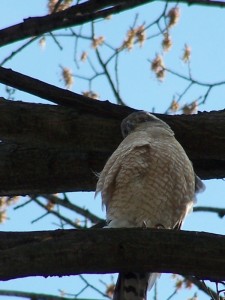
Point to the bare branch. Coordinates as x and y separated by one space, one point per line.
48 91
70 252
220 4
77 15
106 72
203 287
55 213
217 210
30 295
207 86
15 52
66 203
93 287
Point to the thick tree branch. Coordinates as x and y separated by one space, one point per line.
58 95
48 149
70 252
77 15
73 16
33 296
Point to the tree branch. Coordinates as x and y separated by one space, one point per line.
56 214
73 16
70 252
77 15
217 210
204 288
49 148
58 95
77 209
31 295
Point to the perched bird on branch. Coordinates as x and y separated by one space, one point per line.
147 182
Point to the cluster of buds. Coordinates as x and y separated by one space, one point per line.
187 109
3 216
84 56
67 77
4 203
190 109
62 6
134 35
50 205
77 222
173 16
91 94
110 290
174 106
42 42
140 35
157 64
158 67
129 41
186 54
97 42
182 283
166 42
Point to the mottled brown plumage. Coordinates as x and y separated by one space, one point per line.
148 181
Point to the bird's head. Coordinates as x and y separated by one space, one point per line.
134 120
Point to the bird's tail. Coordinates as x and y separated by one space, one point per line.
133 286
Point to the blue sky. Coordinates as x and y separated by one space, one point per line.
202 28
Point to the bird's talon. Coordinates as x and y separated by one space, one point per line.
144 224
159 226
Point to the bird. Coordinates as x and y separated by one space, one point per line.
148 181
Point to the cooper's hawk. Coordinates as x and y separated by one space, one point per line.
148 181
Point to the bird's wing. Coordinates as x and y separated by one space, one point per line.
126 166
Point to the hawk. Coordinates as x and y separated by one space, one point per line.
148 181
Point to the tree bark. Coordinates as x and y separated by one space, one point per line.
78 15
48 148
73 16
71 252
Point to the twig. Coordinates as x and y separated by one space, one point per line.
18 50
39 218
23 204
37 295
75 15
217 210
68 221
93 287
55 40
172 295
203 287
192 80
30 295
66 203
106 72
